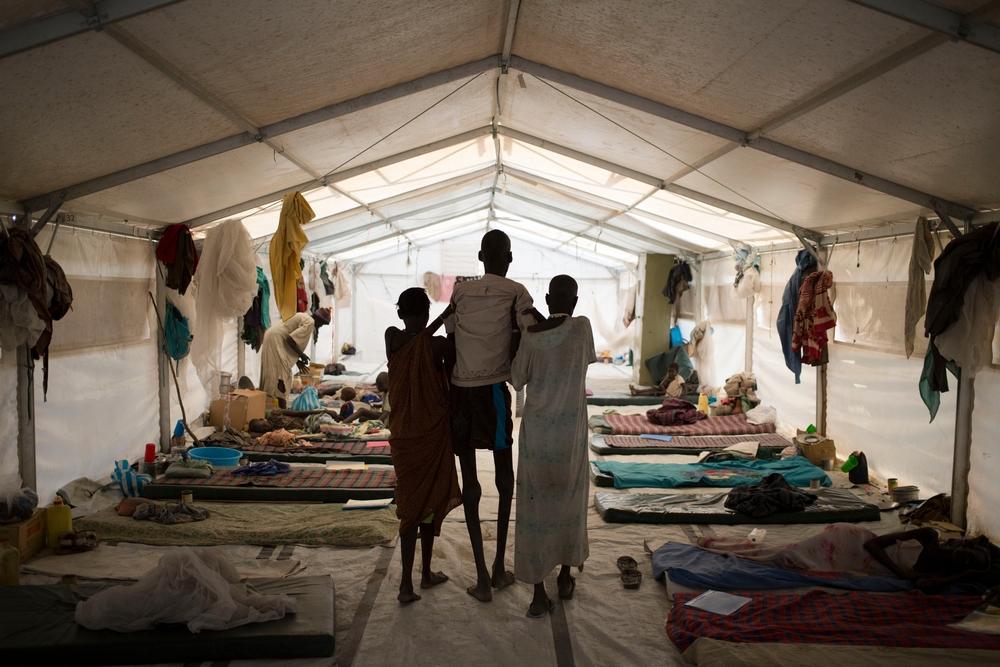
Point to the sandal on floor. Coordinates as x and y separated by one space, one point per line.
572 588
631 579
76 542
548 610
626 563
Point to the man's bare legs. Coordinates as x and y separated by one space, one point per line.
471 495
428 579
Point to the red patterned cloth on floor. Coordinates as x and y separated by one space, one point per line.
910 619
698 443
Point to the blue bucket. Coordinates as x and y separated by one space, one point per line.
221 457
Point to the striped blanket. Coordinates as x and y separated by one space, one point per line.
698 443
727 425
352 447
297 478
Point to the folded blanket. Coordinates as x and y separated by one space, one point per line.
674 411
193 468
772 495
263 468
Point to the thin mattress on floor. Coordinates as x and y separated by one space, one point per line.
299 484
681 444
639 425
797 471
716 653
694 567
371 451
832 505
266 524
37 626
622 398
907 619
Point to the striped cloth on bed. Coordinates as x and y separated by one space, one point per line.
297 478
352 447
909 619
698 443
727 425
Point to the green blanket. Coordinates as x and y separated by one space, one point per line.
254 523
798 471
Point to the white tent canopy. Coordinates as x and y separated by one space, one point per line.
598 129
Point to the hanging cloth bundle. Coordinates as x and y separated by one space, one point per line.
285 251
678 281
176 333
324 276
258 318
177 252
921 259
814 316
804 263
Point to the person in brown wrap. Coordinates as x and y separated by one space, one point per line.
426 480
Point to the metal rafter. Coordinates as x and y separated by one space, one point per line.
738 136
964 28
606 262
341 176
278 128
508 34
658 183
594 239
397 234
94 16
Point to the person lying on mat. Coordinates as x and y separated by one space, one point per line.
281 349
489 314
553 478
671 385
937 563
369 413
420 444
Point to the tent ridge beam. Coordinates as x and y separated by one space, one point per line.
958 27
399 234
585 236
658 183
97 16
738 136
280 127
508 34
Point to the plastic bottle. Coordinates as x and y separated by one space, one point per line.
59 520
703 403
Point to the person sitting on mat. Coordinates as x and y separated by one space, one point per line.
368 414
485 326
553 466
671 385
420 444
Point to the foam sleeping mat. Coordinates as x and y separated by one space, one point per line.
615 424
621 398
376 451
298 485
797 471
832 505
681 444
37 627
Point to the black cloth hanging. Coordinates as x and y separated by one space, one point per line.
177 252
678 281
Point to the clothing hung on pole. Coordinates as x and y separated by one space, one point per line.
921 261
177 252
678 281
814 316
286 250
804 263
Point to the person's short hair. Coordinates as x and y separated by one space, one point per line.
493 241
564 286
348 394
382 380
412 302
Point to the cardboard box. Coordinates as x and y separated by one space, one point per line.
28 536
815 447
244 405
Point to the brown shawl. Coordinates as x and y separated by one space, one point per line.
426 480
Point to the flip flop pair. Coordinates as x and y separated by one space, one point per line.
630 575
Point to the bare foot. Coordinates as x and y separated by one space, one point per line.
434 579
631 389
480 591
407 596
501 578
539 608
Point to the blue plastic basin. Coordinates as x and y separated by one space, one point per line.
222 457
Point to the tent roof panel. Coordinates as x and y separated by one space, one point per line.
263 220
945 142
315 52
347 141
709 218
793 193
739 63
207 185
13 12
83 107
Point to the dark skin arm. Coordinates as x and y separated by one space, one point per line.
927 537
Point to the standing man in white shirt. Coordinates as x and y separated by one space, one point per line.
486 326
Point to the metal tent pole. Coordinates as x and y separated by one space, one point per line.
748 350
962 462
26 417
162 372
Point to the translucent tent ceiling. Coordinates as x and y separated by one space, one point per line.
606 127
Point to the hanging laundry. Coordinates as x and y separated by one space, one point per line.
227 285
921 258
285 251
24 312
747 282
969 341
814 316
60 301
964 259
301 298
678 281
432 284
258 318
177 252
324 276
804 263
343 286
177 333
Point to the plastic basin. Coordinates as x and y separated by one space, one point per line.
223 457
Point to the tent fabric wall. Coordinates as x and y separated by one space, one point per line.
102 400
10 477
984 492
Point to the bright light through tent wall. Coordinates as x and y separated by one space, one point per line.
710 218
398 240
674 230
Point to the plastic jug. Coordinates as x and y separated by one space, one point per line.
59 520
703 403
